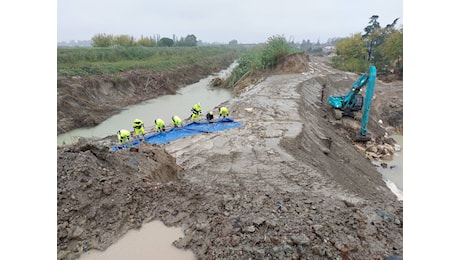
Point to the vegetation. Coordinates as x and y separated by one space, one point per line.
261 57
382 47
109 40
123 53
351 54
84 61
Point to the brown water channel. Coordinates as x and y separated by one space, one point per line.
163 107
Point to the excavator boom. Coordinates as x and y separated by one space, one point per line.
363 135
353 101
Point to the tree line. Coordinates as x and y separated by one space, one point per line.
378 46
109 40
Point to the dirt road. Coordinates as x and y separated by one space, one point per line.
289 184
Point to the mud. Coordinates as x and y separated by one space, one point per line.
289 184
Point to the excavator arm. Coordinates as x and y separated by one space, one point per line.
363 135
353 101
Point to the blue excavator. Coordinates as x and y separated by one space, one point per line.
353 102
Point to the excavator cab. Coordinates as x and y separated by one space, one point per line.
346 105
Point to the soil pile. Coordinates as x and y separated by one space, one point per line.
289 184
101 194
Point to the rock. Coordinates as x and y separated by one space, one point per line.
77 231
249 229
301 239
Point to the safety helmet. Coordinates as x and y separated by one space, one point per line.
210 112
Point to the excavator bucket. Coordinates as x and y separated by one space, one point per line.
362 138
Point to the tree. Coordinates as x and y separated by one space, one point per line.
102 40
146 41
392 51
351 54
306 45
189 41
165 42
124 40
275 48
374 35
381 47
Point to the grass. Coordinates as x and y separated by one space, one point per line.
86 61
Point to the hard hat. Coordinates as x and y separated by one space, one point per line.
210 112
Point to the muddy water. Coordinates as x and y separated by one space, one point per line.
393 174
163 107
153 241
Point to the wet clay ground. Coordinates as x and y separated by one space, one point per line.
289 184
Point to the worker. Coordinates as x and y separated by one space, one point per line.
159 125
138 126
196 111
210 116
176 121
223 112
123 136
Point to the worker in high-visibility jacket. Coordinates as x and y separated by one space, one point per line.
196 111
176 121
159 125
223 112
138 126
123 136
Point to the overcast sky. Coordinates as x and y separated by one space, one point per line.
247 21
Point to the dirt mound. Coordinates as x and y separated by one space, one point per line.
102 194
293 63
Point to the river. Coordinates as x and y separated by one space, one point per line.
163 107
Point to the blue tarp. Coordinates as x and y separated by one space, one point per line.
181 132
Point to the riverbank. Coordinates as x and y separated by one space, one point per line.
87 101
161 107
289 183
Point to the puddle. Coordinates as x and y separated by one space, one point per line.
153 241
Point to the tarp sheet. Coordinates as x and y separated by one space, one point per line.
181 132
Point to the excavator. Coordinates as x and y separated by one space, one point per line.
353 102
